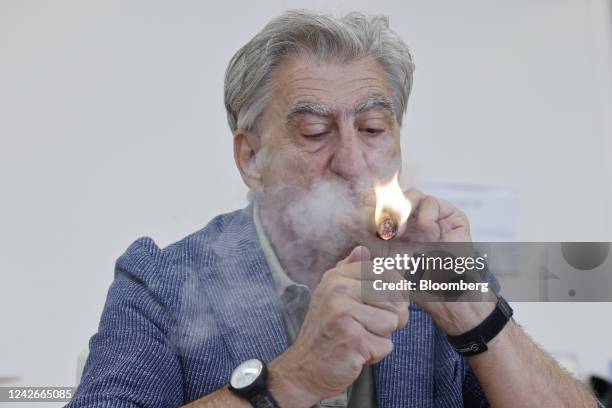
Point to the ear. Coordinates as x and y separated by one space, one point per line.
246 146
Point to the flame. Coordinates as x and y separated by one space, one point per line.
391 199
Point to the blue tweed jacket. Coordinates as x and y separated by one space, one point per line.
178 320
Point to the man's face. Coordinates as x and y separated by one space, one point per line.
326 137
329 122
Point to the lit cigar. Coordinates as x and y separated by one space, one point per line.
386 229
392 209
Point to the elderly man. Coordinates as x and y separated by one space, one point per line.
263 306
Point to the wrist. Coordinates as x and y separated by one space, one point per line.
288 386
456 318
475 341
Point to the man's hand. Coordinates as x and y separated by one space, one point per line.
435 220
340 334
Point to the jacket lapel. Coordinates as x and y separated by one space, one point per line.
242 294
405 377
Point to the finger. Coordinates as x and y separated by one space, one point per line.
387 289
446 208
414 196
390 276
352 287
378 321
359 253
400 309
401 230
377 347
346 294
425 223
410 230
354 256
451 217
342 286
429 213
355 270
363 272
368 346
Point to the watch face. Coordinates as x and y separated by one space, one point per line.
246 373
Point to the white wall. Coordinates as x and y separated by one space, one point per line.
112 127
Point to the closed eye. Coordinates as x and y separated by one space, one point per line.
314 136
372 131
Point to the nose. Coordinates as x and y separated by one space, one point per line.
349 157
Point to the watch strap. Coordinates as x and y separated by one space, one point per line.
263 399
475 340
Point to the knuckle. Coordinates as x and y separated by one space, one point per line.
387 347
353 337
337 308
329 327
356 362
340 287
384 348
363 349
340 327
390 324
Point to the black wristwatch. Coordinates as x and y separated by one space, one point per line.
475 341
249 381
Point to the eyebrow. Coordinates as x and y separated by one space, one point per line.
319 109
305 107
375 101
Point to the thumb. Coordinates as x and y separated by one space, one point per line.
358 254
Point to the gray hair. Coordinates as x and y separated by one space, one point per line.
248 78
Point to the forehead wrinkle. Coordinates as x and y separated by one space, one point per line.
363 79
373 90
309 89
325 80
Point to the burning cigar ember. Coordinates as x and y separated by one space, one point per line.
392 209
387 228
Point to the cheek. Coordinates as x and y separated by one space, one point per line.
384 161
295 168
